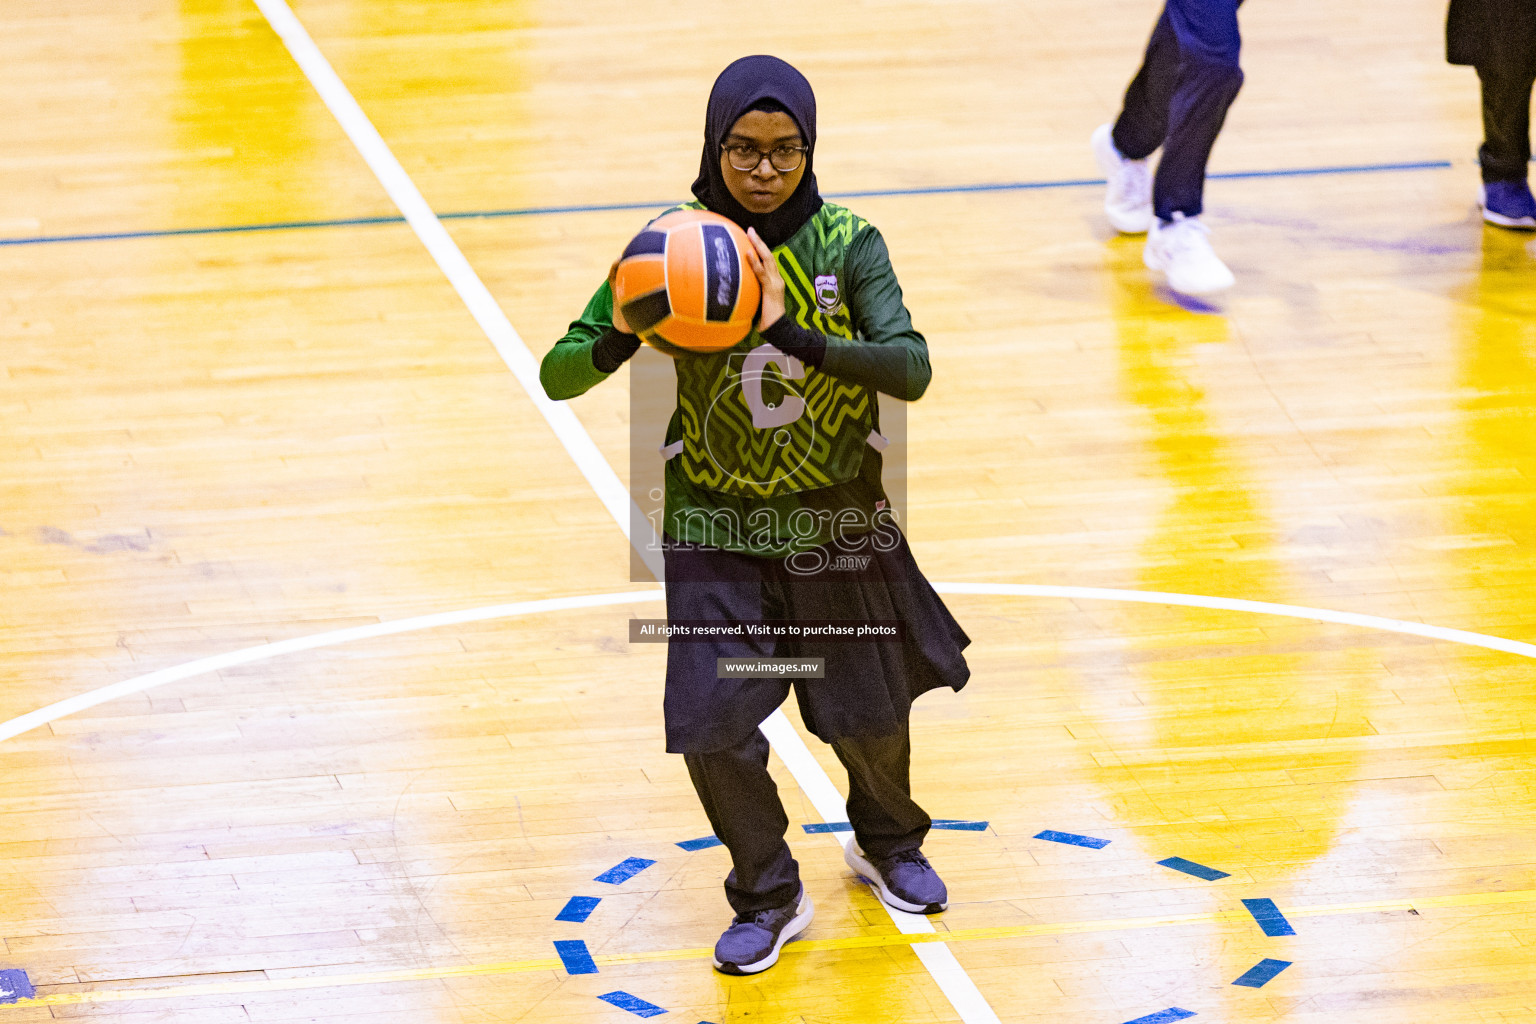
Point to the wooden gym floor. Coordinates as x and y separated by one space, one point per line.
221 439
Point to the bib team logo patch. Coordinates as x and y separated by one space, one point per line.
827 297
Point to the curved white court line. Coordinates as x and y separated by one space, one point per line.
486 613
937 957
263 652
1233 604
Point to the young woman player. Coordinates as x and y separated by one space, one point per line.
753 540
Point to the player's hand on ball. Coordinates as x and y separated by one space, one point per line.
768 277
619 323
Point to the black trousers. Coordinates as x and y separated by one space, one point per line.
1506 150
1179 99
743 806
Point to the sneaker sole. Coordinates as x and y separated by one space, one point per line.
1518 223
1197 293
865 870
1108 162
1503 220
796 925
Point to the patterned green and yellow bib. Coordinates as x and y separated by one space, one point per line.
755 422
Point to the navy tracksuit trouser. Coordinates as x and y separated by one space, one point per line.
742 803
1179 99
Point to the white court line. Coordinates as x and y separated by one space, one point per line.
1233 604
264 652
952 980
486 613
968 1002
445 253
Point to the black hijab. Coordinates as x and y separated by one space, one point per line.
743 85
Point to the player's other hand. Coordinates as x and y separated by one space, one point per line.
768 277
619 323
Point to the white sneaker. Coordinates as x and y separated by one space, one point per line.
1128 201
1181 248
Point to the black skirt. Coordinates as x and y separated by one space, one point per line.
1492 35
869 685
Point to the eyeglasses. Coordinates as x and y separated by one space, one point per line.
747 158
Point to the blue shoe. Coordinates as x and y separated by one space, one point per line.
905 881
752 942
1509 204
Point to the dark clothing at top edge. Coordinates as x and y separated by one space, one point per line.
1496 34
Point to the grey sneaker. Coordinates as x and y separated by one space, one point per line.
905 881
753 941
1508 204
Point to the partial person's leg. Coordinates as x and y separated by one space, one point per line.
713 723
1143 121
888 825
1121 150
886 820
1209 78
743 806
1506 151
742 803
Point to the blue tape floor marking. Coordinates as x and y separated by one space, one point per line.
573 953
634 1004
701 843
1071 839
14 985
578 908
952 824
1269 917
1189 867
1262 972
232 229
1163 1016
620 873
536 211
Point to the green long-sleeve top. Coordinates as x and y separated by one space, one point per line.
775 448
